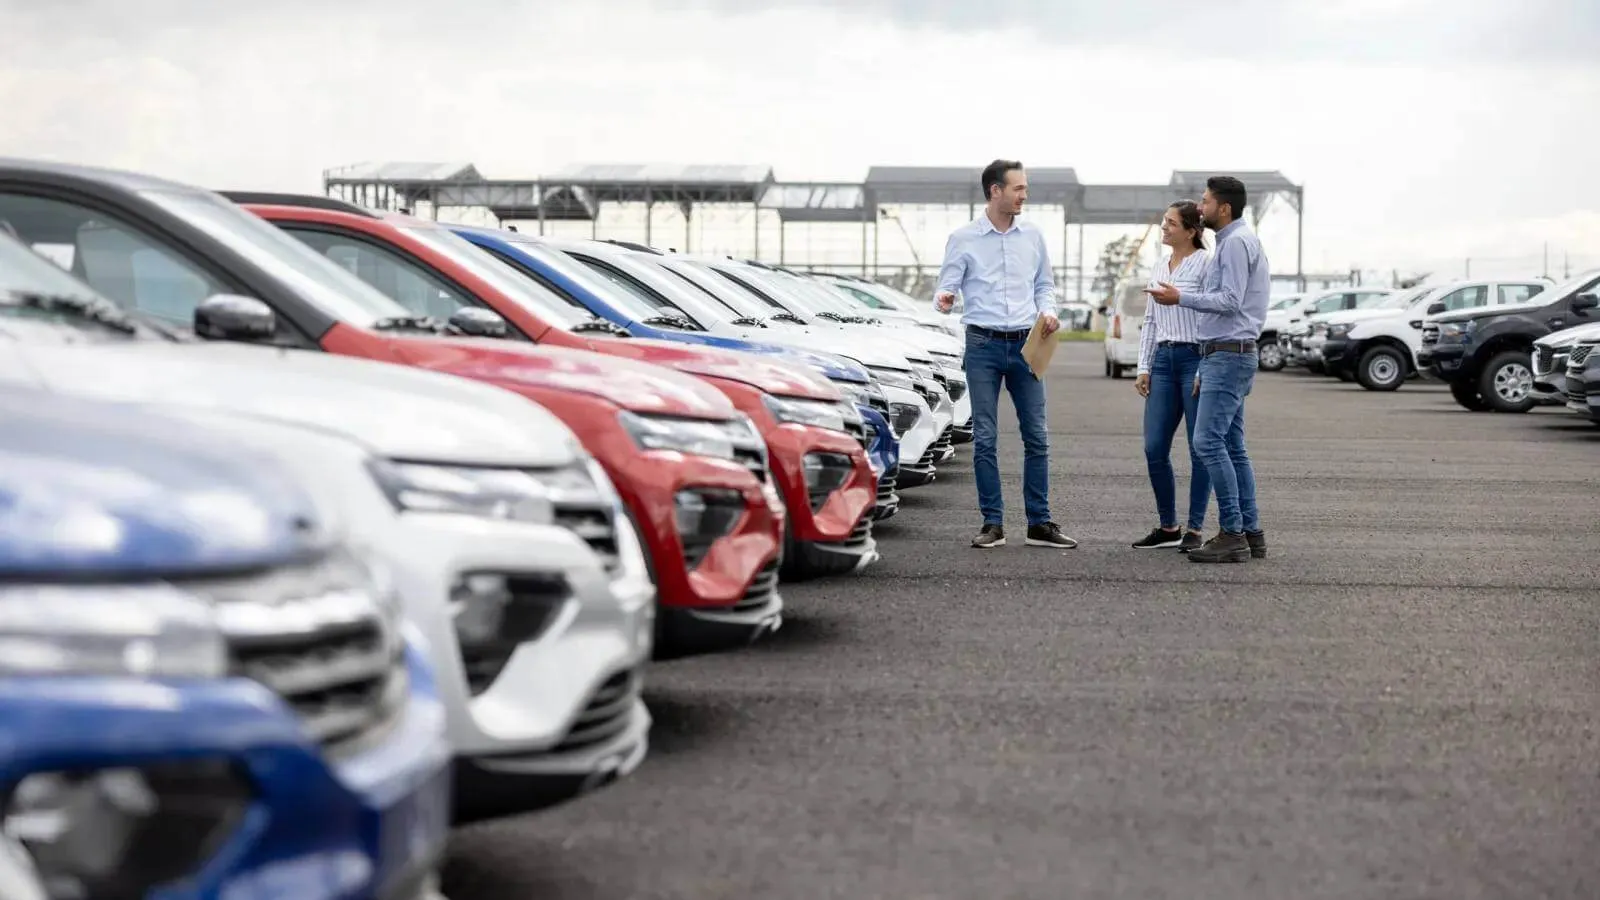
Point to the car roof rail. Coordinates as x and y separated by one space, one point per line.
310 201
633 245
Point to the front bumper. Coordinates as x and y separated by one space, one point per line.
1338 354
1445 361
883 451
918 464
518 717
830 532
373 824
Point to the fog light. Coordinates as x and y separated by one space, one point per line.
703 515
124 832
825 473
495 613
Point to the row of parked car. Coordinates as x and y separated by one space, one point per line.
1505 345
324 528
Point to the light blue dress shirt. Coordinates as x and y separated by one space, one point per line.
1003 277
1234 291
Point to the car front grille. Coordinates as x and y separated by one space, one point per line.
858 430
861 534
596 525
945 441
606 715
328 651
1430 333
1579 355
754 459
1544 359
761 589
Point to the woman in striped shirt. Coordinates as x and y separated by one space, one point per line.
1169 360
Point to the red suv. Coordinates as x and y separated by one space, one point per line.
684 461
815 441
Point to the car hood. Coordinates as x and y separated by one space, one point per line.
917 336
884 354
760 372
395 411
1566 337
829 365
1486 312
627 383
104 488
1359 315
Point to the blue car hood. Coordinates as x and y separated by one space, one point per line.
93 489
831 367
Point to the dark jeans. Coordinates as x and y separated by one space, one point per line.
1225 380
1172 398
991 361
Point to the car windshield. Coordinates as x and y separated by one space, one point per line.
750 280
1286 302
652 297
726 300
1562 290
313 276
817 298
1404 299
524 291
857 295
552 259
35 289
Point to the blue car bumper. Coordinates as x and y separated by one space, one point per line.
883 451
244 805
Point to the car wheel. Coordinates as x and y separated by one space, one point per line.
1116 370
1381 369
1466 394
1269 356
1507 382
1314 367
1108 367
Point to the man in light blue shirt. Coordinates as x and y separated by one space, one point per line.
1232 302
1001 267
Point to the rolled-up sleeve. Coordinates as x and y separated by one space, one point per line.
953 269
1232 262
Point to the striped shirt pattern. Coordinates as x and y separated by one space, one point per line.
1172 323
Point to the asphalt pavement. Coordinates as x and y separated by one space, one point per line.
1402 700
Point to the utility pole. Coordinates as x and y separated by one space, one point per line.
1547 259
1469 268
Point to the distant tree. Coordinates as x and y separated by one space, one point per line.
1114 259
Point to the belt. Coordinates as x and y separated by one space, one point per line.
1000 335
1210 347
1176 344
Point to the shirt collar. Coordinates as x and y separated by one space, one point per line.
1229 228
986 225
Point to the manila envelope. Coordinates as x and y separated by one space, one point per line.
1039 348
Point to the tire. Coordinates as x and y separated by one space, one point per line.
1466 394
1269 356
1116 370
1315 368
1381 369
1108 367
1344 375
1506 383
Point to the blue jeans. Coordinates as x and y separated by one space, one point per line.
991 361
1172 372
1225 380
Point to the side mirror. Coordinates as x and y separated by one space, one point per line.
1436 307
477 322
234 317
1585 301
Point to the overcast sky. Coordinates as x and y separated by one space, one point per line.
1421 128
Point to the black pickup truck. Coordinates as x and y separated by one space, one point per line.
1485 354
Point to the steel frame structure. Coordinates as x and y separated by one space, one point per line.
578 193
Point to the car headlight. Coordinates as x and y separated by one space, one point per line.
903 417
869 394
893 377
518 495
1456 329
1339 330
793 411
693 436
149 631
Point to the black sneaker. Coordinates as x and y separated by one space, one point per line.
1049 535
1191 541
1258 543
990 537
1158 539
1224 548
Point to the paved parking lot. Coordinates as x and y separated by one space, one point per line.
1402 701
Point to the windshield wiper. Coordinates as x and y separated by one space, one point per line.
670 322
788 317
838 317
86 309
748 322
604 326
411 323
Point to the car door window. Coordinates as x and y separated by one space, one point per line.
1517 293
418 290
1330 303
1470 297
115 258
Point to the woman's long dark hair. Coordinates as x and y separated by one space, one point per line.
1189 217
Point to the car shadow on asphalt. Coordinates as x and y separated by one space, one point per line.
492 869
686 723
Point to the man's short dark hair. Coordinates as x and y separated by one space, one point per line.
994 174
1230 190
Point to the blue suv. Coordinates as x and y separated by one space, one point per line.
202 692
